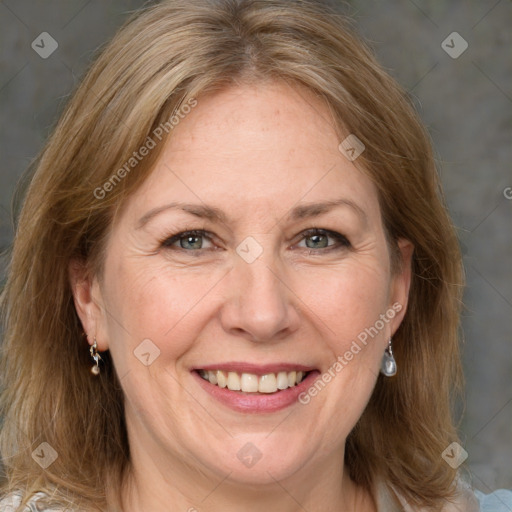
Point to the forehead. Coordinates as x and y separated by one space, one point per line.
256 149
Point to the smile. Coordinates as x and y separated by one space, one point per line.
252 388
252 383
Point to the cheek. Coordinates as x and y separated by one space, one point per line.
149 302
351 306
349 300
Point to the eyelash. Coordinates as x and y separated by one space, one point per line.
342 241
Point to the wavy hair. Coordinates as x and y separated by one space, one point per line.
163 57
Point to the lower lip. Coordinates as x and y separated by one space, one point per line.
256 402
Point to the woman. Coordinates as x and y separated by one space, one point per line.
234 283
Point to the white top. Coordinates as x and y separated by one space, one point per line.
391 501
469 501
11 502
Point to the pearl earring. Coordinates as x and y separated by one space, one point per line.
388 365
95 370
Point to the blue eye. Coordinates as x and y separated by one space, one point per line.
188 240
193 240
320 239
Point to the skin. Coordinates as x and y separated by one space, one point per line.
255 153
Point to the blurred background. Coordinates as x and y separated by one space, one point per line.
454 58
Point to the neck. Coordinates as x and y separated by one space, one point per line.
159 483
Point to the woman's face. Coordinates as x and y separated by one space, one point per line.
252 293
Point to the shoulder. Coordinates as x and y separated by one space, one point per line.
497 501
467 499
38 503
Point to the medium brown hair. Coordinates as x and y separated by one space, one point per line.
160 59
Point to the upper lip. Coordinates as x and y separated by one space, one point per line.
256 369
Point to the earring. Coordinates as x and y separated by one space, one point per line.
388 365
95 370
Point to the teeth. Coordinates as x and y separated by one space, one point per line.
222 380
251 383
282 380
233 381
268 383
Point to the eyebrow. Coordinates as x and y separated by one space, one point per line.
215 214
315 209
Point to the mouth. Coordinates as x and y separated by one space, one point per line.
246 387
253 383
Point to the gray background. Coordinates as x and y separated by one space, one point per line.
465 102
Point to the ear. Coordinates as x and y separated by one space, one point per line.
401 283
88 303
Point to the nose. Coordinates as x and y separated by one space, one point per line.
260 304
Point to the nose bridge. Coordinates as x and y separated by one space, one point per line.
258 267
260 305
